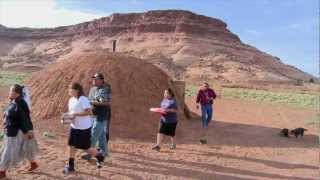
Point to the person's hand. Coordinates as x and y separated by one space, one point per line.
72 115
164 111
29 135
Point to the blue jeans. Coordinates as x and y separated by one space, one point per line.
98 135
206 111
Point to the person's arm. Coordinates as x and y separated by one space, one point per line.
86 112
214 95
85 104
96 103
26 125
171 110
198 99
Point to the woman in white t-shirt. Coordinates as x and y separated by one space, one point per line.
80 131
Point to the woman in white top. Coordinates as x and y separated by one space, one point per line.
80 131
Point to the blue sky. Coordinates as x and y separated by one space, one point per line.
288 29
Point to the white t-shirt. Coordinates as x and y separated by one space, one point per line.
79 105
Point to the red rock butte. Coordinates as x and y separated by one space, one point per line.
185 45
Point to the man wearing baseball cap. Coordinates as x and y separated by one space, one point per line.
100 99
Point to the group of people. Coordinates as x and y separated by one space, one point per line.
89 123
169 121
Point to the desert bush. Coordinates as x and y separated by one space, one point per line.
291 99
8 78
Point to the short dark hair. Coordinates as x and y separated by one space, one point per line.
170 91
18 89
78 87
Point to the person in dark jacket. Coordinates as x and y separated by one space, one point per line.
19 142
205 98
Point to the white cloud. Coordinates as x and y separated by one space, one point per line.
40 14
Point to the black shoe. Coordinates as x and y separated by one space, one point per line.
203 141
86 157
68 170
100 159
156 148
99 164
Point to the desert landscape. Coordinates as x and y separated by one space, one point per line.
258 95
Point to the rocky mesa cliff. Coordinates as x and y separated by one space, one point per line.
187 46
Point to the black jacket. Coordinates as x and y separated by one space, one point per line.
17 117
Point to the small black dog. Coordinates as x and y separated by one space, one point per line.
284 132
298 131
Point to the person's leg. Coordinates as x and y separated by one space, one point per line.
94 152
208 109
70 167
93 139
72 155
172 135
107 136
172 145
108 125
102 138
204 123
208 120
209 112
203 115
172 140
159 139
96 131
32 152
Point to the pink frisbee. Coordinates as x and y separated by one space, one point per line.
158 110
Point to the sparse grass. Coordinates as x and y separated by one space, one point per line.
191 90
287 98
291 99
8 78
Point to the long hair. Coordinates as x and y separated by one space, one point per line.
78 87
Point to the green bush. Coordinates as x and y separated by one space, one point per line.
191 90
292 99
8 78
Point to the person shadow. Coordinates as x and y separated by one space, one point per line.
190 169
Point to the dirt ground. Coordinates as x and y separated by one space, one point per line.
243 144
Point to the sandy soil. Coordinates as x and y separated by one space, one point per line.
243 144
